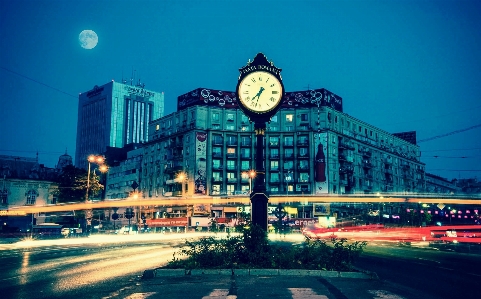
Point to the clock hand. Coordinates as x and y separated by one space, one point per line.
259 93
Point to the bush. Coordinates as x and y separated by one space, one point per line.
252 250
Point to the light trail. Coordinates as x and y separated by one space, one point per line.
244 200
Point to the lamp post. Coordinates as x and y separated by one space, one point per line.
251 174
99 160
182 177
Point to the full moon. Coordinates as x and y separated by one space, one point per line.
88 39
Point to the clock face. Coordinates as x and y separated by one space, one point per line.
260 92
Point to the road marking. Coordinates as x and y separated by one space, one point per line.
220 294
382 294
140 295
305 293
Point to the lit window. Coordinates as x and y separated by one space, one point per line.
157 127
289 117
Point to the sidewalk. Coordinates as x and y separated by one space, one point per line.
266 283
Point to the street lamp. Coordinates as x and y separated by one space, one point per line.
251 174
182 177
99 160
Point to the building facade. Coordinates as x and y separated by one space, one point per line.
114 115
311 147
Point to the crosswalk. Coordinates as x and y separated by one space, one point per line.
295 293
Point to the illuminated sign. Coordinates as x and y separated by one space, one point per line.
12 213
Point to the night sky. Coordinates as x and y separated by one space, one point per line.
398 65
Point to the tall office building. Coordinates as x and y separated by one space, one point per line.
114 115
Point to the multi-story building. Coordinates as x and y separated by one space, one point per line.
437 184
114 115
311 147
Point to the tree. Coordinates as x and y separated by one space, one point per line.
72 184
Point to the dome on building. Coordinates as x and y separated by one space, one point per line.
64 160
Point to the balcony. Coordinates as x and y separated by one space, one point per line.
218 142
289 156
274 144
231 168
302 142
231 180
303 167
231 155
216 179
231 143
288 144
218 167
345 145
345 158
217 155
275 168
346 169
303 180
245 157
303 156
274 182
275 157
246 144
366 153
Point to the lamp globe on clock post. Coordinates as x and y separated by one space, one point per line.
260 93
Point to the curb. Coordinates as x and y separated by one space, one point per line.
152 273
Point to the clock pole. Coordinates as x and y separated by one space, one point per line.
260 92
258 197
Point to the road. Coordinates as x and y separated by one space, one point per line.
444 274
96 267
110 267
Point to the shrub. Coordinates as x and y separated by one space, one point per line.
252 250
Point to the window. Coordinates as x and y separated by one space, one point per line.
230 117
244 119
274 141
329 116
31 197
217 139
274 177
4 197
289 117
274 165
231 175
274 119
215 189
304 117
231 151
216 176
230 127
216 163
288 140
275 189
230 189
231 140
303 151
303 177
215 117
215 126
216 152
245 165
274 153
244 128
231 165
288 153
246 153
245 141
157 127
303 164
290 128
288 165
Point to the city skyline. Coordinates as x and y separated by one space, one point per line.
398 65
